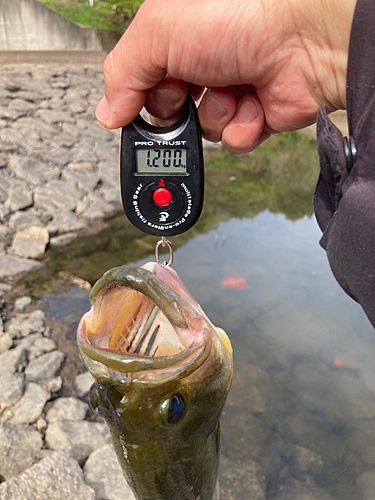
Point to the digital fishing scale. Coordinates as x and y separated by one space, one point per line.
162 174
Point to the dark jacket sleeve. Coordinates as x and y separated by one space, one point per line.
344 199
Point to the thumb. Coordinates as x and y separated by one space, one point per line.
136 64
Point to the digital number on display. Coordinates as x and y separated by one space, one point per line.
166 161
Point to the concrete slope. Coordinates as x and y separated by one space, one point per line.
30 25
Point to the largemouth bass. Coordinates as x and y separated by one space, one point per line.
163 372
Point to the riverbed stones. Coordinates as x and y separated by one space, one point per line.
76 438
24 324
54 153
12 387
66 222
21 303
19 445
29 408
56 477
82 384
103 473
18 199
30 242
44 368
67 409
13 268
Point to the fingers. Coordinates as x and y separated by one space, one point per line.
216 110
131 69
246 129
240 125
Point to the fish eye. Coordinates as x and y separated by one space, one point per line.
176 408
94 397
172 409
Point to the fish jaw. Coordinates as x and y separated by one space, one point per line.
162 458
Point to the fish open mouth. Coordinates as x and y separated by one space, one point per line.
141 319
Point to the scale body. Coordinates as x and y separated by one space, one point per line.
162 178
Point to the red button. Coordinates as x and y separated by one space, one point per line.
162 196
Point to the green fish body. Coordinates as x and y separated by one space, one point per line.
163 372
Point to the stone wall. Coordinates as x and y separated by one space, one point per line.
30 25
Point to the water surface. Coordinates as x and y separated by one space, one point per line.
299 421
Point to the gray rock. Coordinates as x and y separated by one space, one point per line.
9 114
13 360
30 407
86 155
36 345
67 409
78 439
54 385
14 268
24 324
46 197
4 288
19 199
86 181
21 303
6 342
41 424
30 242
19 445
103 473
45 368
111 195
21 105
81 167
64 141
99 210
21 220
12 387
58 156
72 130
65 222
52 117
62 240
5 236
77 106
56 477
32 170
82 384
4 212
242 480
109 176
3 194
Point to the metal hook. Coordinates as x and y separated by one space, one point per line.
163 242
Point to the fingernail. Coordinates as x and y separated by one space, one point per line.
214 109
167 96
247 112
102 111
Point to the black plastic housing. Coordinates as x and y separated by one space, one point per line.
187 189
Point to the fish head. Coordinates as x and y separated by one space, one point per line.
162 372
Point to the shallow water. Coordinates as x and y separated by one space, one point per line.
299 421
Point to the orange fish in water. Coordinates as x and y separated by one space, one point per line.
238 283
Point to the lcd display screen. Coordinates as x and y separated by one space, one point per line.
161 161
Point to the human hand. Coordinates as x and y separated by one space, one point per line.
267 65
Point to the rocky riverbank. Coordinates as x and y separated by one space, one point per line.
46 439
59 177
59 169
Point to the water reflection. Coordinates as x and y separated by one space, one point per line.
299 423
